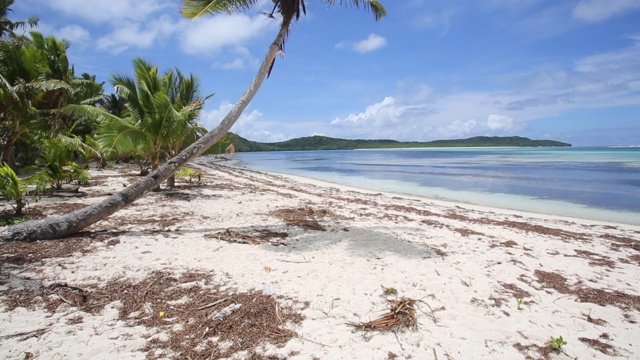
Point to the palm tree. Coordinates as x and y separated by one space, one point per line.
159 117
71 223
7 27
27 91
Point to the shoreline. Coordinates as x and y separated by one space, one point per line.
488 282
543 207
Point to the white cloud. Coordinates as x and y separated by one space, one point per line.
458 128
431 117
600 10
138 35
211 34
250 125
76 35
373 42
243 60
623 60
383 111
439 22
235 64
500 122
100 11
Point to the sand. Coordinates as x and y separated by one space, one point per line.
311 263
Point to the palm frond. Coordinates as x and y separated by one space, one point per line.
374 6
76 143
11 187
51 85
121 135
193 9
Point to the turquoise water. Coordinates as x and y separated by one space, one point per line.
592 183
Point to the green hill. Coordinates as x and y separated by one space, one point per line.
327 143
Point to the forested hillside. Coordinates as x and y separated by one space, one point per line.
327 143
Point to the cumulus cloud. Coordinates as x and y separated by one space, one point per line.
214 33
431 117
100 11
143 23
379 112
500 122
371 43
74 34
595 11
138 35
250 125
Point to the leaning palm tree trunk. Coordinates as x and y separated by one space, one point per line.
61 226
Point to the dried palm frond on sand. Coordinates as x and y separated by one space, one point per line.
401 315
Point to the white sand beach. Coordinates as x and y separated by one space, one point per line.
178 273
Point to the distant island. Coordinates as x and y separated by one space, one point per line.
327 143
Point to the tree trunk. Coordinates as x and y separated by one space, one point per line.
155 160
171 181
19 206
69 224
8 154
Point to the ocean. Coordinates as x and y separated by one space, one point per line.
590 183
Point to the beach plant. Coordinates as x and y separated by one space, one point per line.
13 188
190 173
389 291
557 343
284 11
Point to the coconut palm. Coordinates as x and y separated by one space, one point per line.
23 91
71 223
159 119
8 28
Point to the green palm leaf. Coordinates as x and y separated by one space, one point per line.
193 9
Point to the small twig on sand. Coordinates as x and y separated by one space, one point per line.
313 341
26 334
213 304
278 314
432 315
295 262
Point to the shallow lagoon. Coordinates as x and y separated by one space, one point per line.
591 183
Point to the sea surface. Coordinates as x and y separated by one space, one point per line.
590 183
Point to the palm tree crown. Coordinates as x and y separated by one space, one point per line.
288 9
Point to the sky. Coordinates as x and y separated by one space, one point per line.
431 69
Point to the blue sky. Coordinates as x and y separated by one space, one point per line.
432 69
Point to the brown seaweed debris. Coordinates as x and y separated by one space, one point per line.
234 237
306 218
261 237
401 315
183 307
602 347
